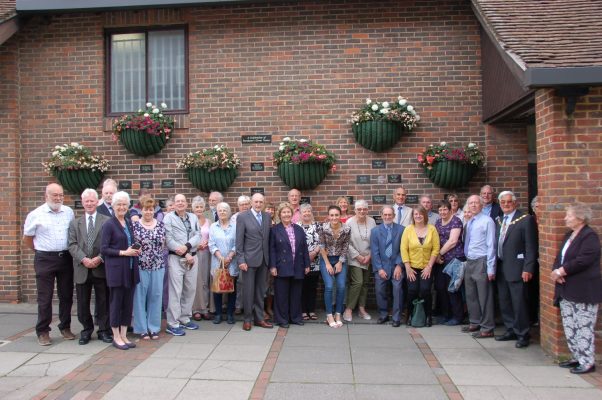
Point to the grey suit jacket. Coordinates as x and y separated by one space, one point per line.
252 241
78 237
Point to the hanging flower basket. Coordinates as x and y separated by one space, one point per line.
378 126
213 169
146 132
75 167
451 168
303 164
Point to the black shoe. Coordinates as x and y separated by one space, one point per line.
217 319
284 325
506 337
83 340
521 343
429 322
381 320
396 324
121 346
231 320
300 323
569 364
580 369
105 337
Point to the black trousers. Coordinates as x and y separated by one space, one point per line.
121 303
309 292
101 304
514 304
420 288
48 268
287 300
449 304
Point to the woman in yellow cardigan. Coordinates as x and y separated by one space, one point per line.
419 251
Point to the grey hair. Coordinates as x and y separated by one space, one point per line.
305 206
108 182
225 206
428 196
90 192
360 203
198 200
506 193
534 202
385 207
243 199
219 195
120 196
479 197
582 211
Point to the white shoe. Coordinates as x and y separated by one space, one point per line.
365 316
347 316
337 319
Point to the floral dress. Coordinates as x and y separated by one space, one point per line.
312 236
153 242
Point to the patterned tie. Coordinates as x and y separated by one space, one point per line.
399 214
90 234
110 210
502 236
258 216
215 216
389 243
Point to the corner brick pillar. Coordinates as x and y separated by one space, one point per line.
569 168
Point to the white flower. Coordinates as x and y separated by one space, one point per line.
149 104
216 147
286 139
402 102
374 107
139 110
471 145
146 114
410 108
281 144
413 112
161 115
281 147
386 104
163 105
443 144
368 101
302 140
384 110
57 147
417 117
74 144
55 153
155 111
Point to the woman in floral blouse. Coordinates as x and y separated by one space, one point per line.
150 233
310 283
334 244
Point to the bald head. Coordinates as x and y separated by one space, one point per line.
257 201
54 196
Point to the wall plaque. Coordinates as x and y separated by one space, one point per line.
167 184
305 200
378 219
257 166
146 169
146 184
77 204
253 139
379 199
412 199
394 178
362 179
124 185
379 164
257 190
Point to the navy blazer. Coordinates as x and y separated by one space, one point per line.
583 282
281 253
117 267
378 241
519 250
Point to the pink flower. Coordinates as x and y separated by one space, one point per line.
430 159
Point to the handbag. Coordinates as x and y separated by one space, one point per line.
222 281
418 314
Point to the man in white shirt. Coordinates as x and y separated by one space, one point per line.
403 213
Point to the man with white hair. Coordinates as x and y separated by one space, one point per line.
294 198
490 207
109 187
427 202
88 269
46 233
214 199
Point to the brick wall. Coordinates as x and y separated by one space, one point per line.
569 168
294 70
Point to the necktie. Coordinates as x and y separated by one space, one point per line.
399 214
258 216
110 210
90 234
502 236
215 217
389 243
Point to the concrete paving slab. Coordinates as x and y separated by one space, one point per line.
313 391
313 328
317 340
28 344
239 352
23 388
135 387
384 355
183 351
464 357
453 342
228 370
312 373
375 329
49 365
546 376
216 390
12 324
481 375
166 368
73 347
482 392
566 393
437 330
396 392
244 338
201 337
12 360
314 354
387 341
532 355
384 374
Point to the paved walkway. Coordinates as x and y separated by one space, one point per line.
357 361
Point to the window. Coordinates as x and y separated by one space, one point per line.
147 66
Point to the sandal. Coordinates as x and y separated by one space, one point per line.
305 317
197 316
313 316
144 336
332 324
154 336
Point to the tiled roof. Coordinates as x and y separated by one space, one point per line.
7 9
550 33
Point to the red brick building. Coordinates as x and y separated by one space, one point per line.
510 76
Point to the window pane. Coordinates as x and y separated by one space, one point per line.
166 68
128 82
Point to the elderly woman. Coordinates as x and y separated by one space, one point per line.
576 273
310 283
243 203
121 265
467 215
343 203
456 210
136 211
222 246
289 262
201 298
359 260
150 233
449 227
334 245
419 251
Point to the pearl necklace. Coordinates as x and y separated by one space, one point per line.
364 237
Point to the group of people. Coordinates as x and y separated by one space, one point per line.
142 260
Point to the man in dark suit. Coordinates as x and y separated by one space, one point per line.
252 253
109 187
516 253
88 268
490 207
385 242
